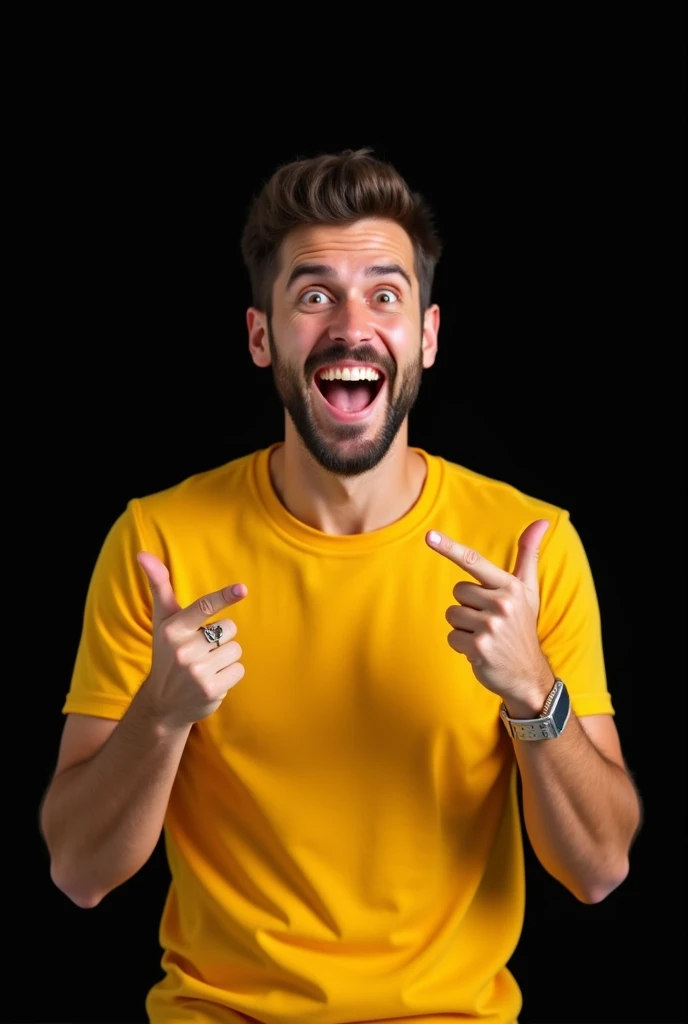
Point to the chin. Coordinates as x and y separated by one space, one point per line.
351 453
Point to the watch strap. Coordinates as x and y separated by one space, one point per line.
551 721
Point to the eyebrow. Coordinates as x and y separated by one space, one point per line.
323 270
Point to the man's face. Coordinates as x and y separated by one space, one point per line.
345 340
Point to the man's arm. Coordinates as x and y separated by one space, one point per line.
581 809
103 811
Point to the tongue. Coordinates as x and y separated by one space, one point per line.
348 397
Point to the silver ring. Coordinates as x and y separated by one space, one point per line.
213 634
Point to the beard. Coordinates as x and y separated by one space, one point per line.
331 451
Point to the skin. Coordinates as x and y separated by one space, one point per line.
336 477
581 809
104 810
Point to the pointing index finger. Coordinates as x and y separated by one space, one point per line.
480 568
195 614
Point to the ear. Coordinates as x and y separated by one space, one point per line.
258 344
431 327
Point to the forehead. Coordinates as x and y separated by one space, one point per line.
347 248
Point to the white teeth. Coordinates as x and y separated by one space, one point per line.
353 373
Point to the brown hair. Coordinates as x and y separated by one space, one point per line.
333 189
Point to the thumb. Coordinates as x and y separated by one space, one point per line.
528 551
164 601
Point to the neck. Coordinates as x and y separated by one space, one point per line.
347 505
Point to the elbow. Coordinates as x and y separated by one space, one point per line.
603 886
84 902
80 896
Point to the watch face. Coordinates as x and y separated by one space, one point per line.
546 728
561 712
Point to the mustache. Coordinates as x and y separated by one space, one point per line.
338 353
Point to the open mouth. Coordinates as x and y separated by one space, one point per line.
349 391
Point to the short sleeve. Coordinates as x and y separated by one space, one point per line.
569 624
114 653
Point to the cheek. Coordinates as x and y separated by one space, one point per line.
402 336
301 332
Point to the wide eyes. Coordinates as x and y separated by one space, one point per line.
316 297
386 296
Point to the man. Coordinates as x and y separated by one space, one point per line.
321 667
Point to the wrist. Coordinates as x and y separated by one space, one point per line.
530 704
549 723
163 727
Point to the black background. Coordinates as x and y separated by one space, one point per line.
557 185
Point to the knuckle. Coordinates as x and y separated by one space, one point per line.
207 691
183 656
234 650
470 557
492 624
481 643
196 671
504 605
205 605
168 633
229 628
235 673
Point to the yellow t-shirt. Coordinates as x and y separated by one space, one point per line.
343 833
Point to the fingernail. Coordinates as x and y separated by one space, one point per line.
434 537
236 590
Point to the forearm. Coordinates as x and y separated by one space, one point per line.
102 819
581 811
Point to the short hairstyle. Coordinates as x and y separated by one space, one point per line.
334 188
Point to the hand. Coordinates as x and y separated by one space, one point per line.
189 677
495 622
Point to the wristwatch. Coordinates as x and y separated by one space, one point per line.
550 722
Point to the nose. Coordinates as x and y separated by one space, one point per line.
351 323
